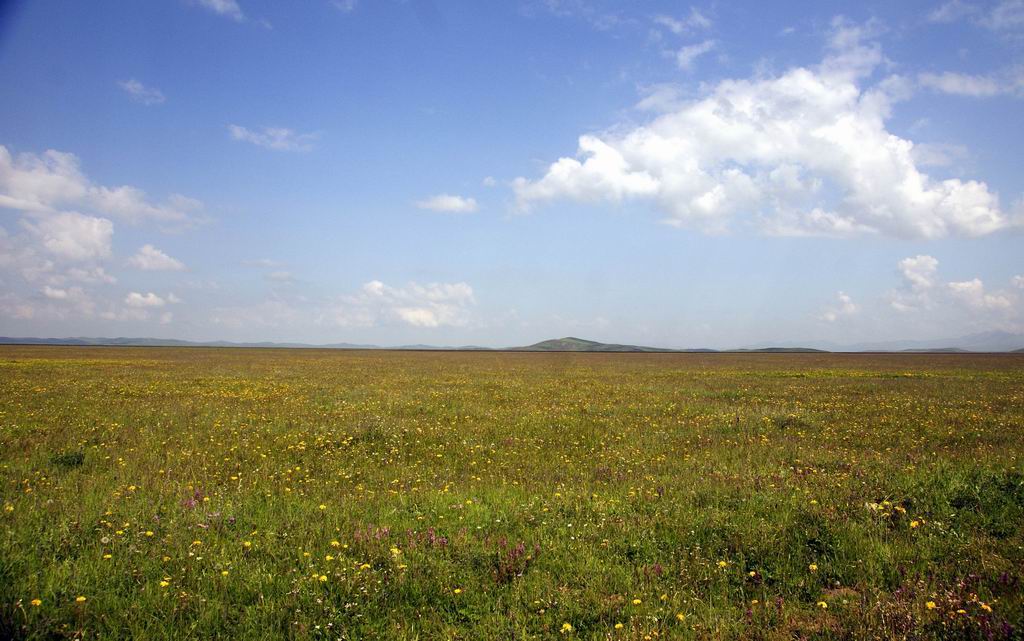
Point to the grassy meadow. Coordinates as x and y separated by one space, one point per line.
164 493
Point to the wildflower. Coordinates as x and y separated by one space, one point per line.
986 607
164 584
930 605
457 590
681 617
822 605
108 556
36 602
323 507
247 544
223 572
365 566
813 567
335 544
618 626
322 578
914 524
722 564
637 601
80 599
566 628
395 551
149 532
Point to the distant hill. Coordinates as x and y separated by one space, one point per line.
573 344
783 350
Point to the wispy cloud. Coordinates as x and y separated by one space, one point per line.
686 56
149 258
276 138
226 8
140 93
449 203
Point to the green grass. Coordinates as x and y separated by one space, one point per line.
262 494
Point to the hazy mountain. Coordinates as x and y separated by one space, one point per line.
573 344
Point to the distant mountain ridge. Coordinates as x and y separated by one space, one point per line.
983 342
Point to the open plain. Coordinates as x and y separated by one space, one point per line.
166 493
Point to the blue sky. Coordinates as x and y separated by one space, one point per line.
396 172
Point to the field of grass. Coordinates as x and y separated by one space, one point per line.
165 493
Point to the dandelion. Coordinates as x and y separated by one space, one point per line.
223 572
80 599
164 584
322 578
681 617
813 567
618 626
566 628
637 601
722 564
149 532
323 507
335 544
457 590
365 566
822 605
914 524
36 602
247 544
930 605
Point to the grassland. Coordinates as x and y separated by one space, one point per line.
163 493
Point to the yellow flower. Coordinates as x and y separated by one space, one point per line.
80 599
149 532
566 628
722 564
986 607
335 544
365 566
224 573
822 605
36 602
107 556
323 507
457 590
395 551
322 578
618 626
246 544
681 616
637 601
813 567
930 605
914 524
164 584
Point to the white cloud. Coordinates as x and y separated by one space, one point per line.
919 271
135 299
281 276
806 152
1008 82
227 8
1007 15
844 307
448 203
952 11
150 258
345 6
1018 282
489 181
972 292
72 235
55 293
432 305
686 56
693 22
53 180
141 93
275 138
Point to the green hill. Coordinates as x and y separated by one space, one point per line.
573 344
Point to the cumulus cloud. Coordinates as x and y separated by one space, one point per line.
53 180
72 235
150 258
448 203
135 299
140 93
806 152
275 138
843 307
431 305
972 292
226 8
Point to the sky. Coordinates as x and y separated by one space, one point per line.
498 173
